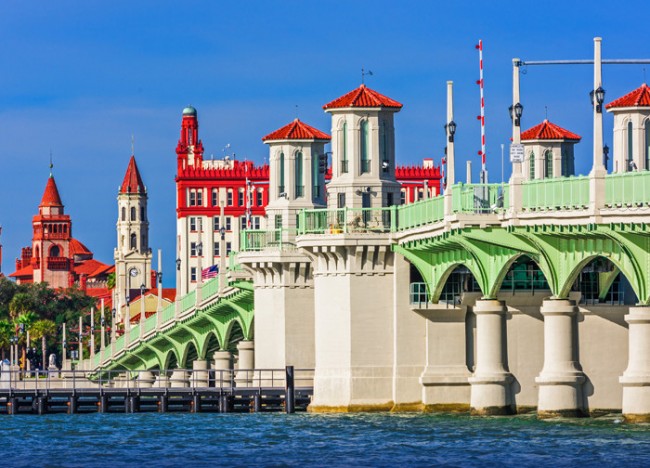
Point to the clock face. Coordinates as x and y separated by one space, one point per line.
133 271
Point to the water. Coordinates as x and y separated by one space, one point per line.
190 440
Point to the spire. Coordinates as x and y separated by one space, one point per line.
51 195
132 181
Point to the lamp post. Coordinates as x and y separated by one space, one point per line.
516 111
605 156
113 314
450 131
142 309
599 93
222 248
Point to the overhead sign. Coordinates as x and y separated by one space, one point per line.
516 153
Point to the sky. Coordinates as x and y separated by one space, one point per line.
78 79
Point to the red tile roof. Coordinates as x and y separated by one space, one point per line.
89 267
548 131
77 248
363 97
297 130
640 97
23 272
132 181
51 195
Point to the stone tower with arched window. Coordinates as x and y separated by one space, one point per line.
132 254
363 150
631 130
548 151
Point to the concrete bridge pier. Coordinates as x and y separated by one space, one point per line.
223 368
162 381
246 364
636 378
178 379
200 374
560 382
491 392
145 379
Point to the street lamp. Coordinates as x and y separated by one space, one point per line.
605 156
515 113
600 98
178 264
222 231
451 126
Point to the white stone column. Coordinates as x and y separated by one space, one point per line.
450 151
223 368
491 392
178 379
246 363
199 373
598 172
636 378
145 379
561 379
517 176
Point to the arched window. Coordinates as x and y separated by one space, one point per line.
531 165
548 164
365 162
646 134
123 214
142 214
630 148
344 160
298 168
384 147
133 213
134 241
55 251
281 187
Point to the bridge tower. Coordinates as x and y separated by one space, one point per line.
284 291
132 254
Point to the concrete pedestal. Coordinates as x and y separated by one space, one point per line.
200 374
162 381
491 392
145 379
178 379
245 373
636 378
561 379
223 368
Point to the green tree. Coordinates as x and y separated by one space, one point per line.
6 332
20 303
44 330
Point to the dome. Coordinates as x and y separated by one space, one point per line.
189 110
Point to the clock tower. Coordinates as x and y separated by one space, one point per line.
132 254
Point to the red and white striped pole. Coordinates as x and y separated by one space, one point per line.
481 117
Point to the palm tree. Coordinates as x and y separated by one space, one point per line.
20 303
43 329
6 332
25 321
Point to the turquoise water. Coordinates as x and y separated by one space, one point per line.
191 440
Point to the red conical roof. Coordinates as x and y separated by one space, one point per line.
297 130
640 97
51 195
363 97
548 131
132 181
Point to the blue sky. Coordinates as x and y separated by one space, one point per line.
78 78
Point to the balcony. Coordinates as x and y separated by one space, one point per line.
58 263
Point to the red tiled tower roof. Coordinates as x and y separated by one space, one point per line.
132 181
297 130
363 97
51 195
548 131
640 97
77 248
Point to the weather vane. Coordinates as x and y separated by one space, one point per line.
51 164
365 72
132 145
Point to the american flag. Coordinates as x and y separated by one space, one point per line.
210 272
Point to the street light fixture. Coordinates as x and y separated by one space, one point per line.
599 94
222 231
515 113
451 126
605 156
178 264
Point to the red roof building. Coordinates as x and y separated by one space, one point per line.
640 97
297 130
548 151
363 97
548 131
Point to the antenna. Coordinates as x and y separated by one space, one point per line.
365 72
51 164
132 145
481 117
644 80
546 112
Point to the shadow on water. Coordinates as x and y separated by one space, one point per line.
315 440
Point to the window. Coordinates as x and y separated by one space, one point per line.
242 222
420 194
215 197
341 200
344 161
531 165
142 214
199 223
133 213
315 173
143 242
255 221
192 197
123 214
192 249
134 241
229 201
55 251
365 161
548 164
240 198
228 248
192 223
389 199
281 186
193 274
298 175
216 249
630 147
260 198
215 224
199 197
228 223
402 197
384 147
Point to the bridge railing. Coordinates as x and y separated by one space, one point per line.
346 220
627 189
480 198
257 240
420 213
562 193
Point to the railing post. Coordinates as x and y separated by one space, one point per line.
289 395
393 218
